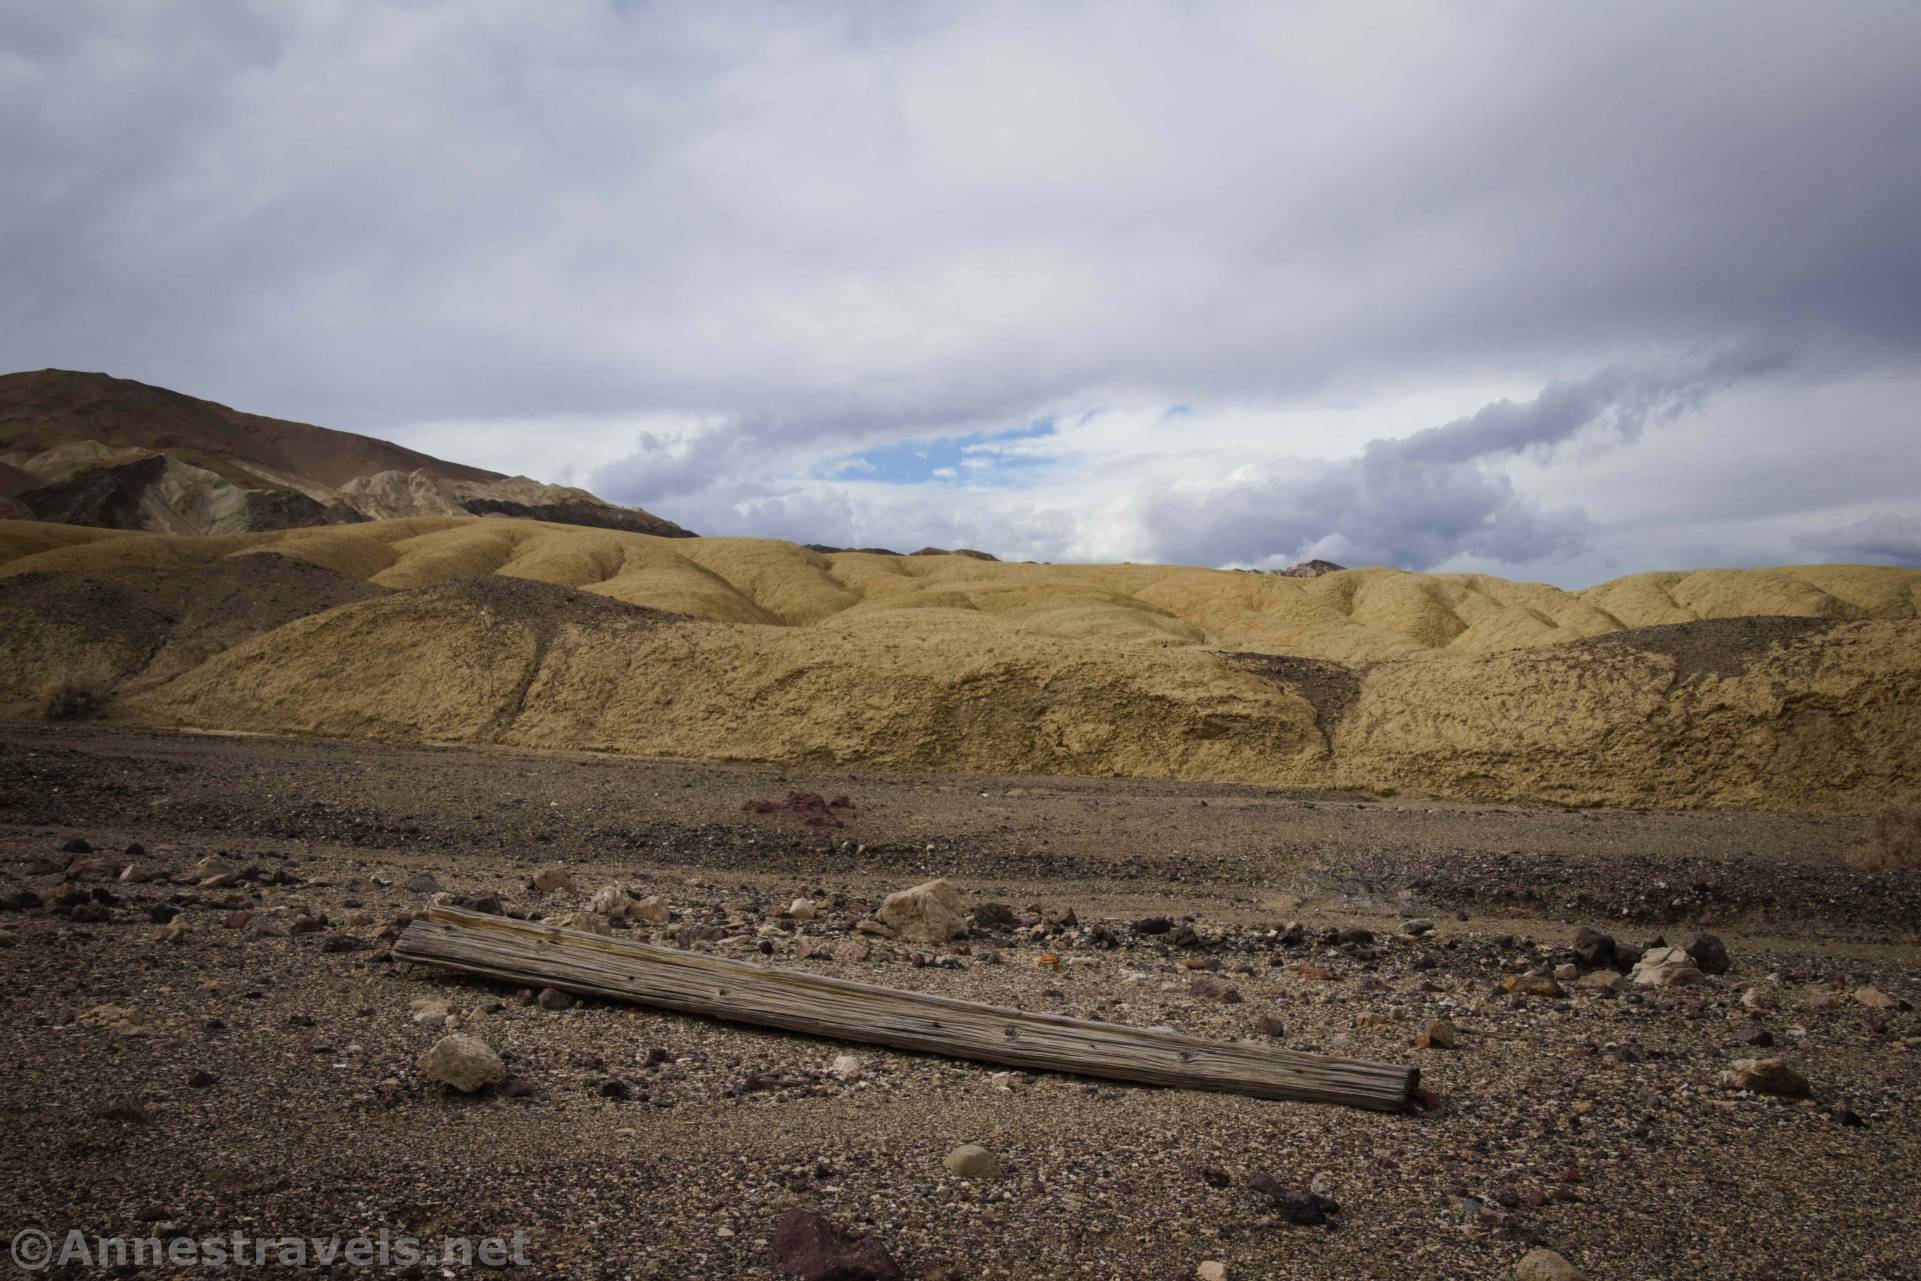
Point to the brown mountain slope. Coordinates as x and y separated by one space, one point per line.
53 407
91 449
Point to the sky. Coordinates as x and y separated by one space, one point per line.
1550 290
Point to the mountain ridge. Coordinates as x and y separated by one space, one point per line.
94 449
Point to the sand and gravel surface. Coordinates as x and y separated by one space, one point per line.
257 1071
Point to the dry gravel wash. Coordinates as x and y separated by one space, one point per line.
1593 1125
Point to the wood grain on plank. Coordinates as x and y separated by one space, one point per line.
721 987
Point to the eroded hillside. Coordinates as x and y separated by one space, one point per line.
1791 688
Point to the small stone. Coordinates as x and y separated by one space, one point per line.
1709 952
1601 981
1667 967
1417 927
1439 1034
1760 998
845 1067
1268 1025
1151 925
993 916
215 874
432 1011
552 998
102 868
930 912
268 924
1302 1207
1875 999
612 902
1567 972
551 879
652 910
1759 1037
1532 985
466 1063
1766 1076
78 845
1211 1270
802 909
852 950
422 883
582 922
1546 1265
1593 950
201 1080
128 1110
118 1018
972 1161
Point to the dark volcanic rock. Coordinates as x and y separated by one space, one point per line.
1593 949
1709 953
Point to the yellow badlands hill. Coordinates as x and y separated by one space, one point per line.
1787 688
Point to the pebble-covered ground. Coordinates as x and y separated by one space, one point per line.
181 1059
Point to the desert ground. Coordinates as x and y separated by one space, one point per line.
200 1060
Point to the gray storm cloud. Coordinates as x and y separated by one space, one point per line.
1886 538
823 228
1425 498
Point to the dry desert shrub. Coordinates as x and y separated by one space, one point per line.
79 692
1894 839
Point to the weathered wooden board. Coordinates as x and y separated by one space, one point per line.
721 987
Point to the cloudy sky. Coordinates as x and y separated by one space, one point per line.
1559 291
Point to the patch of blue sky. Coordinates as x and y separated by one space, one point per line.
978 458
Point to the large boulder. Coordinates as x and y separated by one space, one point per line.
466 1063
927 913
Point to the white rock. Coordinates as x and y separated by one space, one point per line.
611 901
1667 967
802 909
1545 1265
929 913
430 1010
1211 1270
120 1018
215 874
464 1062
845 1067
972 1161
585 922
